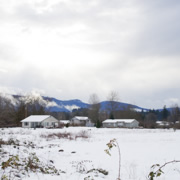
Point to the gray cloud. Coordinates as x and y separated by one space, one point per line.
71 49
158 29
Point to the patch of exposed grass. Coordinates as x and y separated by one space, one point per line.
66 135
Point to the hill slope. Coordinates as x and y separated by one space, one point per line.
56 105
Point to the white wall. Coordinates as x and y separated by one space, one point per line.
134 124
109 125
49 122
26 124
78 122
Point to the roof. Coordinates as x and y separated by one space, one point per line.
84 118
119 120
35 118
163 123
64 121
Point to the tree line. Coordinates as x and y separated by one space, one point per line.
146 118
11 113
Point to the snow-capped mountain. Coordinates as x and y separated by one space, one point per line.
64 106
68 106
50 103
56 105
123 106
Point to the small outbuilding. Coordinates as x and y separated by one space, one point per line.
163 124
35 121
64 122
120 123
81 121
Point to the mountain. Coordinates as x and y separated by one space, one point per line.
64 106
68 106
56 105
122 106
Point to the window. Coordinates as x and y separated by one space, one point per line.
26 124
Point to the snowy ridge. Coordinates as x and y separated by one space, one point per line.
56 105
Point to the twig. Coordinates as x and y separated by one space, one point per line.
119 160
174 161
159 171
111 144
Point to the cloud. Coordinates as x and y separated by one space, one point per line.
172 101
9 97
157 29
7 53
2 70
70 49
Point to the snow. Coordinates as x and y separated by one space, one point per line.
35 118
51 104
65 121
163 123
118 120
140 149
82 118
71 107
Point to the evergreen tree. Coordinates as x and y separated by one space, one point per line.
165 113
111 116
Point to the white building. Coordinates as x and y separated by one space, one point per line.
64 122
117 123
34 121
81 121
163 124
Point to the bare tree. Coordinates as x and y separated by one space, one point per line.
21 111
94 109
175 114
128 112
112 104
7 112
27 106
94 99
150 120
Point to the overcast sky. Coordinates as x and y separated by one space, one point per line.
69 49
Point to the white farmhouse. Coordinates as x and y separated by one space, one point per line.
81 121
34 121
117 123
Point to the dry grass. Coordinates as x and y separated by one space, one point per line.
66 135
82 134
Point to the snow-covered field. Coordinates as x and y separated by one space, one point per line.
75 156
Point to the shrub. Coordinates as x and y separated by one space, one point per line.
59 136
24 165
65 135
82 134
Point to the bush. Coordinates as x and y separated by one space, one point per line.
22 166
